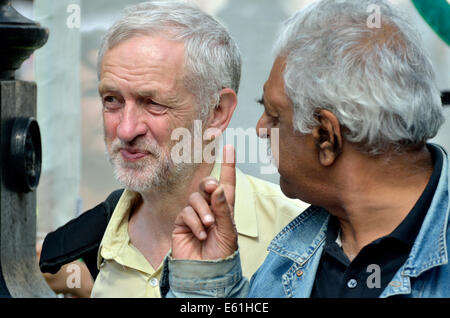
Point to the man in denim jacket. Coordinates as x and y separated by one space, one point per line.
354 101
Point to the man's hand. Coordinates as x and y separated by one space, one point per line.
205 229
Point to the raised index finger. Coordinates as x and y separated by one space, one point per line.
228 170
228 174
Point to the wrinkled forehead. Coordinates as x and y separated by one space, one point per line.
141 63
121 36
140 53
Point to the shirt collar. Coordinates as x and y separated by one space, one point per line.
116 241
333 231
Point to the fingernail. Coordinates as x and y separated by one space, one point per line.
202 235
209 218
211 182
221 196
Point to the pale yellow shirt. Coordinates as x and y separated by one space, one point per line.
261 211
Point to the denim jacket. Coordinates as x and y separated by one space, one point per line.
294 255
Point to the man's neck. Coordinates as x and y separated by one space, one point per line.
378 195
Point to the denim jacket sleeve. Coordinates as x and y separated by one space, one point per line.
218 278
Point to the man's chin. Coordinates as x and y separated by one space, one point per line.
132 178
287 188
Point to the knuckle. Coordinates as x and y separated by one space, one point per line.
186 210
208 181
193 197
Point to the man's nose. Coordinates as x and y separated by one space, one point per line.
131 124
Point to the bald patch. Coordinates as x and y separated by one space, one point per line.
387 35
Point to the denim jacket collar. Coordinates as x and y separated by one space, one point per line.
301 238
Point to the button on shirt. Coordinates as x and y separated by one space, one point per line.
375 265
261 211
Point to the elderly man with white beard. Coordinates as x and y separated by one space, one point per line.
162 66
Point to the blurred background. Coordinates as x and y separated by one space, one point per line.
76 175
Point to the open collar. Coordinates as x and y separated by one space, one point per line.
116 241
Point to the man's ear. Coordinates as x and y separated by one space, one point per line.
221 115
327 137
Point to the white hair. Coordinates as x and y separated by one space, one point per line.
212 58
378 82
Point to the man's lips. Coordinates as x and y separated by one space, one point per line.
133 154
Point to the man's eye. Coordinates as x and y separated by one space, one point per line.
274 120
109 99
111 102
154 107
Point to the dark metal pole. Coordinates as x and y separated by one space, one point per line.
20 158
20 37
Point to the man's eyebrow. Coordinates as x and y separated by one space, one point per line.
107 88
146 93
